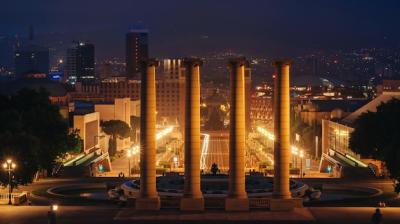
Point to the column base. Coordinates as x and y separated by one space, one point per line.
192 204
150 204
289 204
237 204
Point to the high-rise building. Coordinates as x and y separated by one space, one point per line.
31 59
137 50
312 66
80 63
70 73
7 44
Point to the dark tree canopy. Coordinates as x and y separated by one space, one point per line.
33 133
377 135
117 129
215 121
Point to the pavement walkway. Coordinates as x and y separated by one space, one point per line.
113 214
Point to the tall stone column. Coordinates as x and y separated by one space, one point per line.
237 197
148 197
281 129
192 196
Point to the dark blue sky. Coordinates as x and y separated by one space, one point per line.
185 27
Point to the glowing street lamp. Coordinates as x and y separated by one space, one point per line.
51 215
129 155
9 166
301 155
175 161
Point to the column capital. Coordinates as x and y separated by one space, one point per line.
240 61
281 62
150 62
192 61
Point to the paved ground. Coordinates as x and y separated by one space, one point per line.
112 214
77 212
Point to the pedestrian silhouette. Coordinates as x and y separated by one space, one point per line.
377 217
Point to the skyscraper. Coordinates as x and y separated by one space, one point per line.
137 50
80 63
31 59
7 44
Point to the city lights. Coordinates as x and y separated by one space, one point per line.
164 132
271 137
202 111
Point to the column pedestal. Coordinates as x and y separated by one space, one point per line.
148 204
277 204
192 204
237 204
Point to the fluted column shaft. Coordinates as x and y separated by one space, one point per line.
282 130
192 129
148 187
237 130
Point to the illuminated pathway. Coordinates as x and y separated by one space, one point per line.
204 151
271 136
215 149
120 164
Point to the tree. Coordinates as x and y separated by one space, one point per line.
215 121
32 133
377 135
116 129
214 169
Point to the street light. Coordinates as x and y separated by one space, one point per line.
9 166
295 152
175 161
129 161
301 155
51 215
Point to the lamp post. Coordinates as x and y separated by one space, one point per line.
301 155
129 162
9 166
295 152
175 162
51 214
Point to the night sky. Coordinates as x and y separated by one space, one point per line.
178 27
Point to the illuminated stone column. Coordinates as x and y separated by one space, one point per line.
148 197
192 196
237 197
281 130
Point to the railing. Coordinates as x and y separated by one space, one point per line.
16 198
4 196
219 203
259 203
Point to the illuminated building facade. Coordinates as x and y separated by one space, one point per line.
170 92
261 110
336 136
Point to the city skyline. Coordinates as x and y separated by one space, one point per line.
200 111
266 28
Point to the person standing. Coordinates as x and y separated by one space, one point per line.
377 217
